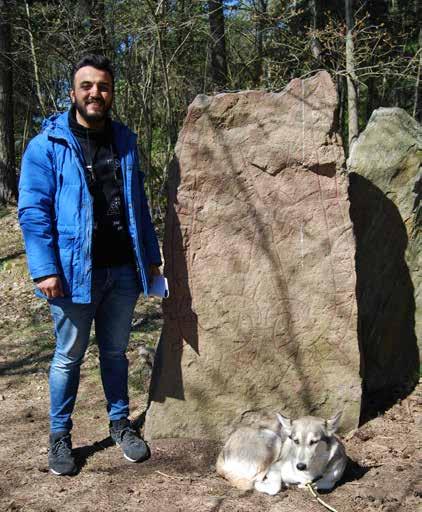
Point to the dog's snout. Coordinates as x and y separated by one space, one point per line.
301 466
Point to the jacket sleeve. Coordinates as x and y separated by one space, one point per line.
149 236
37 187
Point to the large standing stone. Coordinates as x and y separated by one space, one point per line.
385 191
259 253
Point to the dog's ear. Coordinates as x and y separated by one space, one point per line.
286 423
333 423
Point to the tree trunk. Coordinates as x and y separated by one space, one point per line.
218 44
261 11
8 188
370 97
35 62
352 94
417 105
94 12
97 16
158 14
315 44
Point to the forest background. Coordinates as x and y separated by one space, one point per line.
165 52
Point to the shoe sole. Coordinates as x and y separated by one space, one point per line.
56 473
126 457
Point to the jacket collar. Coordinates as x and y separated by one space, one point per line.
57 127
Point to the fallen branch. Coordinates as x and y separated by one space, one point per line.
319 500
167 476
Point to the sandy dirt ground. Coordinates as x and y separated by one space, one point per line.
384 472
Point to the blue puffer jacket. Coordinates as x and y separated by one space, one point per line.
56 212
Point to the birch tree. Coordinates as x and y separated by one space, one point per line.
352 91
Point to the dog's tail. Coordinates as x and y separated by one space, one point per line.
238 474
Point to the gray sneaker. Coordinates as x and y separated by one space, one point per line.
125 436
60 459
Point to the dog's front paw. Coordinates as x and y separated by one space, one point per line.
270 487
324 485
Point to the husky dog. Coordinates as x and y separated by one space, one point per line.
247 455
303 451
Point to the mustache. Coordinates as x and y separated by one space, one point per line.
95 100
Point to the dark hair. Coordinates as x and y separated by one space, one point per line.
96 61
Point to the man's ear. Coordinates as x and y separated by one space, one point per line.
286 423
333 423
72 95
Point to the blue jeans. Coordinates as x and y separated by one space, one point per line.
115 291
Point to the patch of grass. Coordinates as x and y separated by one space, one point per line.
5 265
139 377
4 211
40 334
15 264
34 334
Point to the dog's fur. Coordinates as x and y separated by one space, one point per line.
247 455
302 451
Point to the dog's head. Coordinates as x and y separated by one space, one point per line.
309 439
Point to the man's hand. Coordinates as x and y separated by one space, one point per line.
51 286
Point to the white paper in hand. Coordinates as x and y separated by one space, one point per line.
159 287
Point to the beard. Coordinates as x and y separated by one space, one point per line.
92 116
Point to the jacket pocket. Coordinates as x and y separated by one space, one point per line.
66 250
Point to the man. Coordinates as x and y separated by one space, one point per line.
91 249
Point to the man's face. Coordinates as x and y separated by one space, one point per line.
92 95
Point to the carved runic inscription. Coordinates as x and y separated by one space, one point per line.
259 252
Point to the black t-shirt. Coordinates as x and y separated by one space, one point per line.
111 244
